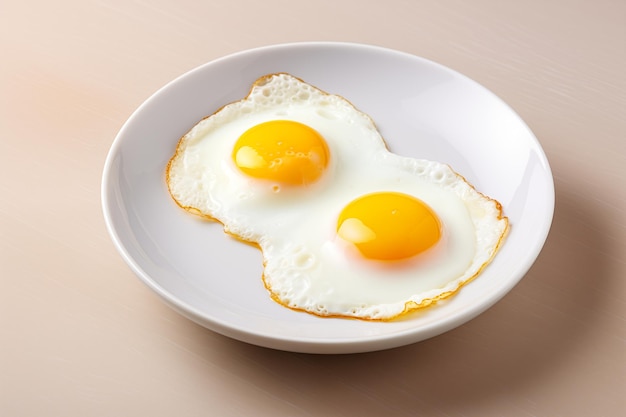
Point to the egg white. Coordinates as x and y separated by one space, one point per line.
306 266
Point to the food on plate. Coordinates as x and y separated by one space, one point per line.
346 228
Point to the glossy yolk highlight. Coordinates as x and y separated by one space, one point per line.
284 151
389 226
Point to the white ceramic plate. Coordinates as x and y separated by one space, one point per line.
422 109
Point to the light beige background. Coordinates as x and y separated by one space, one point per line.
82 336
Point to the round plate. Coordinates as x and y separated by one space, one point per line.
422 109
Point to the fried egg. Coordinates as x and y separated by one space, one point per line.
346 228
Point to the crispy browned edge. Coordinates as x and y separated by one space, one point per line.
410 306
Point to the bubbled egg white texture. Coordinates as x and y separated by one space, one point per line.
307 266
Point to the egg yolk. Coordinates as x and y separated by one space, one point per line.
284 151
389 226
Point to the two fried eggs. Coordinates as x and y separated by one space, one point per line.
346 227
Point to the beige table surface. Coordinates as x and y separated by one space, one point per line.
82 336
